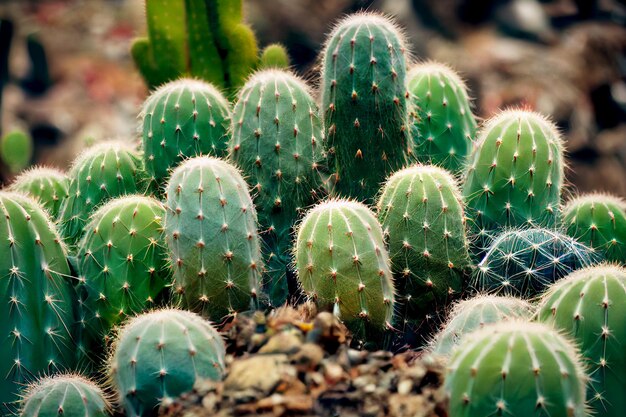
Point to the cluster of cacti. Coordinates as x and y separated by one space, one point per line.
48 186
16 150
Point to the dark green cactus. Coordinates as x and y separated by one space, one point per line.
36 296
66 396
444 126
526 262
364 100
343 266
599 221
211 234
277 141
16 150
421 212
590 306
101 173
517 370
48 186
122 265
473 314
159 356
182 119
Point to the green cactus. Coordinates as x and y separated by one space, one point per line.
444 126
473 314
122 265
599 221
277 141
159 356
48 186
517 370
274 56
16 150
526 262
103 172
421 212
182 119
590 306
515 174
36 297
364 100
211 233
343 265
65 395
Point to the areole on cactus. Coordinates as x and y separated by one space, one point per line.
48 186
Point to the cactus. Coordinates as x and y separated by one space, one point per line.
48 186
343 265
65 395
598 221
211 234
443 127
515 174
16 150
274 56
277 141
516 369
590 305
364 100
473 314
36 297
104 171
122 264
421 212
160 355
525 262
182 119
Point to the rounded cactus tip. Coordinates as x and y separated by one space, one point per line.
435 67
104 146
38 171
193 84
521 114
265 75
595 197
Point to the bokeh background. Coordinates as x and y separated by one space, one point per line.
564 58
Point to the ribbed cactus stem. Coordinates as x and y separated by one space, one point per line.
48 186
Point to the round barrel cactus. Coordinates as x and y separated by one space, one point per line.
182 119
212 238
160 355
599 221
48 186
343 266
66 396
590 306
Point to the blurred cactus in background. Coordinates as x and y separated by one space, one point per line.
16 150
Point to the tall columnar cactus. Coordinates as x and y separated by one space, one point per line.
343 265
277 141
211 233
590 306
48 186
65 395
444 126
421 212
598 220
160 355
516 369
364 100
182 119
473 314
122 264
515 174
526 262
36 296
16 150
105 171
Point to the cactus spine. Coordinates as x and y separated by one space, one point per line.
211 233
182 119
48 186
590 306
364 100
444 125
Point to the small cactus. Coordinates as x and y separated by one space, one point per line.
274 56
517 370
343 265
48 186
160 355
473 314
598 221
211 234
444 126
182 119
16 150
526 262
364 101
66 396
590 306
